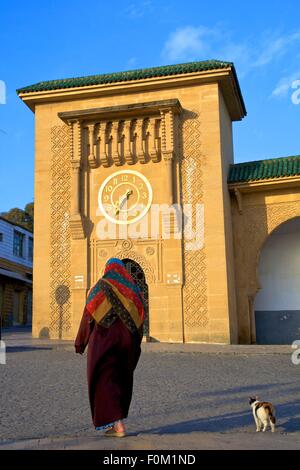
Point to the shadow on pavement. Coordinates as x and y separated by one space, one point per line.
291 411
251 389
232 421
13 349
221 423
11 330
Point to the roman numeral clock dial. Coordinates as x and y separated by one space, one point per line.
125 197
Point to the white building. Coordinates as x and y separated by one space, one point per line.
16 255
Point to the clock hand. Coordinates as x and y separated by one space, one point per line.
121 201
128 192
118 203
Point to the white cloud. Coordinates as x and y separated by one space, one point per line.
276 47
198 43
284 86
137 10
188 43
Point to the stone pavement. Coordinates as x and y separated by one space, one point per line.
185 397
178 441
21 337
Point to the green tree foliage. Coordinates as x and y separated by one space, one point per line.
23 217
29 209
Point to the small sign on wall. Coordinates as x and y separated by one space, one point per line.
173 278
78 281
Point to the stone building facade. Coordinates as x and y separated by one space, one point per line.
146 139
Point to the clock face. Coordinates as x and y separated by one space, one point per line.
125 197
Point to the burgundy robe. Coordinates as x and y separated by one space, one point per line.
113 354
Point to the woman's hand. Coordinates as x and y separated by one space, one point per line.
79 349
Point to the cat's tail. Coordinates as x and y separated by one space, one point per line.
270 411
272 419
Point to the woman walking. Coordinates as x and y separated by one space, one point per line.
112 326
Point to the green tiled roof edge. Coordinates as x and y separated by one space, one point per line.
129 75
264 169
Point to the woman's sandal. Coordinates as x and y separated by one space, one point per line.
112 433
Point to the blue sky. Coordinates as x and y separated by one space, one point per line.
55 39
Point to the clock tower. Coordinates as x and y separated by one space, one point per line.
134 165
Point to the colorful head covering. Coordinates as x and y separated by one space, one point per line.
114 260
123 286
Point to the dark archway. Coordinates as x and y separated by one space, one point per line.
277 304
136 271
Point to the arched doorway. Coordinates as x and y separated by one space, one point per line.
277 304
138 275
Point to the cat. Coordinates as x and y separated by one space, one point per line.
263 413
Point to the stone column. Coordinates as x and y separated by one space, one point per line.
152 140
76 224
115 143
75 184
139 141
128 155
102 151
168 163
167 141
91 157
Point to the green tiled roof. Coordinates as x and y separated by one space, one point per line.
139 74
264 169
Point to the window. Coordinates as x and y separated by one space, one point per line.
30 248
18 243
1 237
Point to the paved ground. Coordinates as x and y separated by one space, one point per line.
185 396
